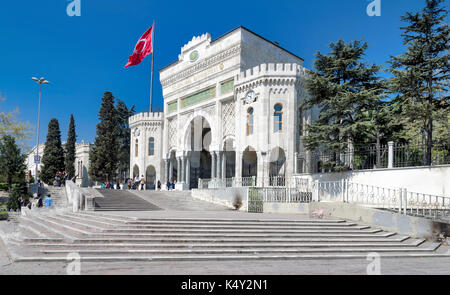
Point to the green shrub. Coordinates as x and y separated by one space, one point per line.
3 186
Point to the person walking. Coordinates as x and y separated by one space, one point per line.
142 182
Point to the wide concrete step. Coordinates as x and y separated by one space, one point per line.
235 257
259 245
237 240
120 226
127 252
225 220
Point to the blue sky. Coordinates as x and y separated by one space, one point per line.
84 56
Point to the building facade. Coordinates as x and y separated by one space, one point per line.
81 163
232 109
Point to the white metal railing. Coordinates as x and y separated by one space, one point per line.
399 200
277 181
281 195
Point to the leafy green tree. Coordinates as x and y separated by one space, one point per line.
422 71
70 149
10 125
348 93
103 156
123 157
53 158
12 163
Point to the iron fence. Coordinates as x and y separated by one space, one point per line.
373 157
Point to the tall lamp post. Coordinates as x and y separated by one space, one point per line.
37 160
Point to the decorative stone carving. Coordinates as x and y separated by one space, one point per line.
228 118
172 128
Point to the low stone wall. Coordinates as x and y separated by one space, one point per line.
416 227
223 196
432 180
81 198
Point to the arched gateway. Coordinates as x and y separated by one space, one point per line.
206 131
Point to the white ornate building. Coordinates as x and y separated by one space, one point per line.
81 162
232 108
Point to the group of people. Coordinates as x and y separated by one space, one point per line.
60 178
171 184
110 185
136 182
37 201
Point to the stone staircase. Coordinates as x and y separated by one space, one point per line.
99 236
58 195
120 200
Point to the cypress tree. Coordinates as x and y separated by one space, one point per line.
12 164
53 158
423 71
123 157
70 149
103 156
348 93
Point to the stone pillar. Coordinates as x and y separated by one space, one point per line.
166 172
170 169
224 165
182 174
178 169
218 165
238 164
390 154
188 171
213 165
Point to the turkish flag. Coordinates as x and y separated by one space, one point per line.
143 48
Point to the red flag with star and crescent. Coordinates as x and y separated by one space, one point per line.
143 48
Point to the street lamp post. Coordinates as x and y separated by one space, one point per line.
37 159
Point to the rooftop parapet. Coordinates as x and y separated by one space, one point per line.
271 69
154 116
196 40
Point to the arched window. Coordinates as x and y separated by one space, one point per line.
151 146
136 148
250 121
278 118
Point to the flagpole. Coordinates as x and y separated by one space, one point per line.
153 56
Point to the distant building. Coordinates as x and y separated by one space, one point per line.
81 162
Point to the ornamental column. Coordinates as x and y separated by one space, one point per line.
188 171
182 175
178 169
166 171
224 165
218 163
213 165
170 170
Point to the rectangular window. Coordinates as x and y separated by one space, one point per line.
226 87
172 107
198 97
